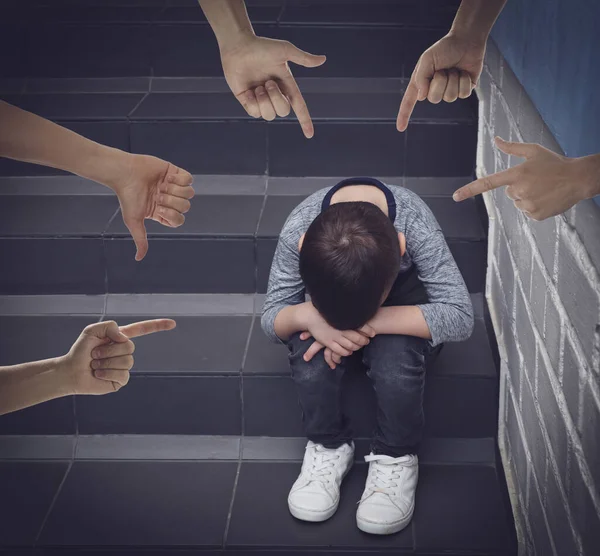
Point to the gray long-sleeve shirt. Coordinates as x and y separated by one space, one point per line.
449 313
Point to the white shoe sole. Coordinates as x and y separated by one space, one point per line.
383 528
315 516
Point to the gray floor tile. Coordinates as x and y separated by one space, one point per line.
460 508
70 266
402 14
97 14
205 148
49 418
229 185
261 518
273 448
157 447
471 258
458 220
434 186
336 149
213 215
36 447
51 216
88 85
13 59
165 405
213 344
54 335
26 492
299 186
276 211
181 266
447 150
142 503
191 14
11 85
349 54
67 185
88 106
190 84
265 249
124 52
179 304
51 305
458 451
185 50
190 106
265 357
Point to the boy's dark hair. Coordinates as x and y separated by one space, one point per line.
349 257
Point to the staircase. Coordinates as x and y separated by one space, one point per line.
198 452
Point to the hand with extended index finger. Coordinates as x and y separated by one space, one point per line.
258 74
545 185
447 70
100 359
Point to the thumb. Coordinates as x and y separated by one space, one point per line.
302 58
106 329
138 233
522 150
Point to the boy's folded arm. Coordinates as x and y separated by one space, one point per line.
406 319
291 319
449 313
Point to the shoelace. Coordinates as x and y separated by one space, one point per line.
322 465
382 476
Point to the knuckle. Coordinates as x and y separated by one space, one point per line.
131 346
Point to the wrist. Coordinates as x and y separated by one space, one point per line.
234 41
66 377
107 166
474 38
588 174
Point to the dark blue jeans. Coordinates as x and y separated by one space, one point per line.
396 366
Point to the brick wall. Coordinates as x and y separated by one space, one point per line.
543 290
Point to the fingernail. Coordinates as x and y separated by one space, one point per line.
170 179
94 363
456 197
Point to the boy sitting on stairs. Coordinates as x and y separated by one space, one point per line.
382 280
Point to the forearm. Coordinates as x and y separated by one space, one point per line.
30 384
475 18
588 174
228 19
30 138
292 319
407 320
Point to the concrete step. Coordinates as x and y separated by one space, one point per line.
73 230
212 374
132 494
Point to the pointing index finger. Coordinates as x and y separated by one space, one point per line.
485 184
147 327
409 100
290 88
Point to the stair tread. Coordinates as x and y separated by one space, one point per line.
185 503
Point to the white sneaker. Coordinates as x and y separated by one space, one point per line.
316 493
388 502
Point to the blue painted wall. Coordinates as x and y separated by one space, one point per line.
553 46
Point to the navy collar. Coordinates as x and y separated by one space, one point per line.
389 196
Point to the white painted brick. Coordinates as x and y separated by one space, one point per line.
556 511
507 273
493 61
571 374
591 431
587 222
534 437
579 297
545 233
501 123
554 420
539 525
488 156
511 88
518 455
537 296
584 512
529 121
553 326
526 337
484 94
